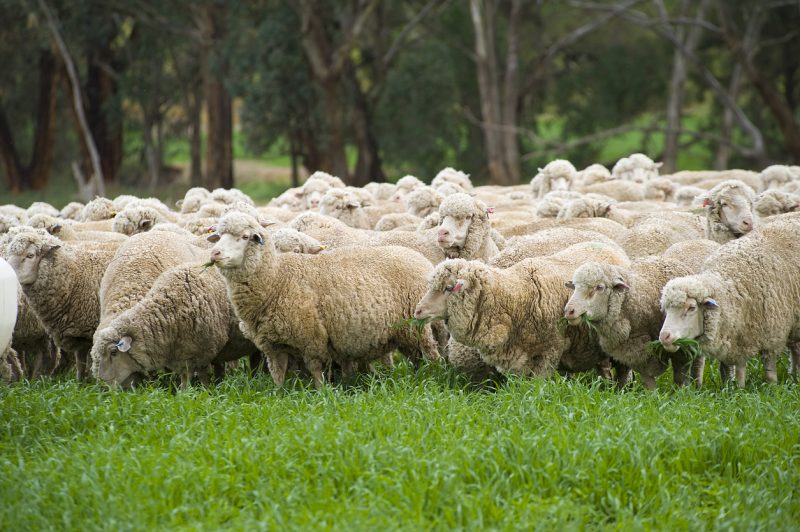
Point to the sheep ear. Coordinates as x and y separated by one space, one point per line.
710 303
352 205
47 249
179 203
459 286
257 238
124 344
570 285
213 238
659 164
145 224
55 229
267 223
620 285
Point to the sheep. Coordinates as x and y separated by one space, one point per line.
41 207
335 234
778 175
453 177
605 226
341 204
585 207
61 282
140 218
66 231
333 181
288 240
7 222
618 189
548 242
36 350
745 302
509 315
551 203
423 201
404 186
97 210
465 229
340 305
312 192
659 189
380 191
192 200
691 253
653 236
72 210
622 304
398 220
556 176
184 323
291 200
686 195
729 211
773 202
636 167
136 265
594 173
229 195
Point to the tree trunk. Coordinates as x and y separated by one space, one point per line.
766 89
368 165
219 143
103 111
677 85
333 156
511 96
194 108
35 174
723 155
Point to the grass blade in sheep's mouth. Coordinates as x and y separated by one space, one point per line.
412 323
562 323
207 265
688 346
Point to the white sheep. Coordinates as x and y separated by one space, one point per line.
730 211
454 177
556 176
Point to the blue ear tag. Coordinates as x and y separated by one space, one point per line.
711 302
118 344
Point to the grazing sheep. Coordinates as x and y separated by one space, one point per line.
229 196
333 181
41 207
509 315
7 222
556 176
745 302
342 204
659 189
380 191
550 205
405 185
774 202
137 264
618 189
622 303
691 253
636 167
72 210
398 220
333 233
184 323
97 210
66 231
336 306
594 173
585 207
61 282
288 240
192 200
687 195
778 175
139 219
655 236
454 177
465 229
605 226
548 242
729 210
423 201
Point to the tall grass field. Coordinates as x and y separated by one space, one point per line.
401 450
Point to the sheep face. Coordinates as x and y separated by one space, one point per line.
131 222
26 258
453 231
683 321
774 202
736 213
433 305
115 365
592 285
231 249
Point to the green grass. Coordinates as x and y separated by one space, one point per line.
399 451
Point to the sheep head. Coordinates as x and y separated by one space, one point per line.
240 241
593 286
688 304
443 281
769 203
730 203
27 251
463 225
113 359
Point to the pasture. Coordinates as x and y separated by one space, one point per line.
401 450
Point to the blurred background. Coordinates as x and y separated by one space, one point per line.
151 97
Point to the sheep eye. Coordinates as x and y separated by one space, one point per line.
245 237
448 288
29 256
600 288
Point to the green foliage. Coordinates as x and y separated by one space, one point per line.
399 451
688 346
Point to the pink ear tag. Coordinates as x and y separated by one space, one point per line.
490 210
705 202
458 287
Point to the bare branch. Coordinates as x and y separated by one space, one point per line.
389 56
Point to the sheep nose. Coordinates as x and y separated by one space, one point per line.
665 337
569 312
216 254
443 233
418 313
747 223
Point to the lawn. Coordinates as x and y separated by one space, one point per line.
401 450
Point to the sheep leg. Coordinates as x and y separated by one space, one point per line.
278 362
741 374
202 377
770 371
681 369
219 372
314 366
698 369
624 373
604 369
726 372
256 363
80 366
186 379
348 368
648 381
795 361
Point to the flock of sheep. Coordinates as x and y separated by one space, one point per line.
589 270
